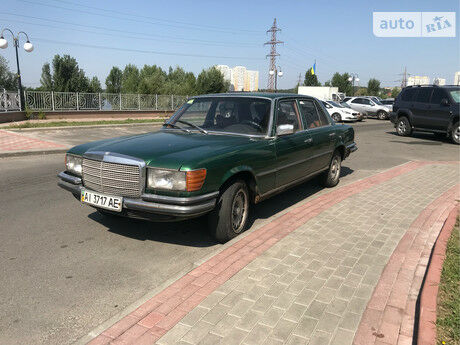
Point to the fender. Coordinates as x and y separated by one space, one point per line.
235 170
407 113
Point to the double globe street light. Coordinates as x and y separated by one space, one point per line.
277 73
28 47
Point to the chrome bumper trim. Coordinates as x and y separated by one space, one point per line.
150 203
69 178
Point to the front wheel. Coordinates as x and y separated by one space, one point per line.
455 133
336 117
230 215
403 127
331 177
381 115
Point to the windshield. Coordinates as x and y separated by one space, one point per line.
345 104
376 100
335 104
239 115
455 94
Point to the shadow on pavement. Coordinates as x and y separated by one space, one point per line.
430 138
194 232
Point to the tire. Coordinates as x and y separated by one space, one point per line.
331 177
403 127
382 115
455 133
229 217
336 117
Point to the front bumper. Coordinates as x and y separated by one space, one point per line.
151 204
350 148
393 117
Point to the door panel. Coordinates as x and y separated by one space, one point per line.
292 150
421 107
437 116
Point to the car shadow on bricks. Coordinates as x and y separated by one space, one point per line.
193 232
431 139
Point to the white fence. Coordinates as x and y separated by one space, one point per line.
80 101
9 101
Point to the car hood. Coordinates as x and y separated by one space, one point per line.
168 149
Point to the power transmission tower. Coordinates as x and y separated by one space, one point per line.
404 78
273 54
299 82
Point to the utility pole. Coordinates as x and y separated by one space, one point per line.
299 82
404 78
273 54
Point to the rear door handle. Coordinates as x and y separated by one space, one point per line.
332 134
308 141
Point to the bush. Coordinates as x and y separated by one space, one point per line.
30 114
41 115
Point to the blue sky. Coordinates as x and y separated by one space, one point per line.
338 34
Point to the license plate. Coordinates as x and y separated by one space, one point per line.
109 202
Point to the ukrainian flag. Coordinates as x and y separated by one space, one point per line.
313 69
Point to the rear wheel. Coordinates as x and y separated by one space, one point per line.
336 117
455 133
230 215
403 127
382 115
331 177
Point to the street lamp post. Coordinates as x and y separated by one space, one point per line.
278 73
353 78
28 47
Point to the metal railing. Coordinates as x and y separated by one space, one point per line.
82 101
9 101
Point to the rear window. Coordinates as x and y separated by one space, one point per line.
423 95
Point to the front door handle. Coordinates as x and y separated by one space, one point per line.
308 141
332 135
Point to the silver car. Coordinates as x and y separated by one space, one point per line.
368 107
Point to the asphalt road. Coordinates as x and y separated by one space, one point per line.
65 269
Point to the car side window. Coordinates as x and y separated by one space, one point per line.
366 101
423 95
323 118
287 114
408 95
309 113
357 101
437 96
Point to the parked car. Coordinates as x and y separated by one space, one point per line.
339 113
216 155
428 108
388 102
378 101
368 107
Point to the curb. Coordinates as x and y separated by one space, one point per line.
428 300
157 124
32 153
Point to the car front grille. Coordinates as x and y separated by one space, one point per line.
112 178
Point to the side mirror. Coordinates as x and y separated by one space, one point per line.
444 102
284 129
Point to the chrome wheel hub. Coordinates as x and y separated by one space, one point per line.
402 127
335 168
239 210
456 134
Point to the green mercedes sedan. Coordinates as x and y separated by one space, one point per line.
217 155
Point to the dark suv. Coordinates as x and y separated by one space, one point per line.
428 108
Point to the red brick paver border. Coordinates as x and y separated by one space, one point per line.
428 300
15 142
389 315
154 318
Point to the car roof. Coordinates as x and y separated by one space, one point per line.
272 95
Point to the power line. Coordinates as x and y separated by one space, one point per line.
273 54
142 51
184 41
157 19
117 30
128 19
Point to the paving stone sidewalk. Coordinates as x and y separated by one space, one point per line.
14 142
309 286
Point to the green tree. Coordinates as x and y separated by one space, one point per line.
327 83
130 79
395 92
311 79
362 91
341 81
7 78
211 81
66 75
46 79
152 80
373 87
95 85
180 82
113 80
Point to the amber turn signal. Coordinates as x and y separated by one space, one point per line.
195 179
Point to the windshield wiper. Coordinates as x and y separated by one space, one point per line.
176 126
193 125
